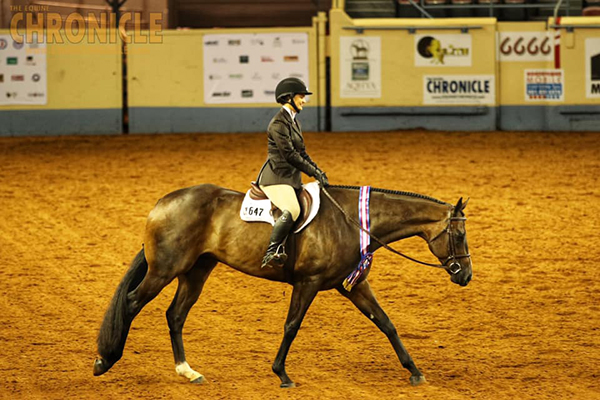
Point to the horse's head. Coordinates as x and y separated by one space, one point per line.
451 248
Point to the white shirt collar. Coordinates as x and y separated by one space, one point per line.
291 112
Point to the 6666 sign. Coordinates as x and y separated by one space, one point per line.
525 46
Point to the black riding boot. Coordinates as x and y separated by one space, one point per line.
276 256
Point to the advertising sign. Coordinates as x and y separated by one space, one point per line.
443 50
246 67
525 46
23 72
360 66
544 85
459 89
592 68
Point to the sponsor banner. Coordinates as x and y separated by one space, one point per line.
592 68
459 89
544 85
443 50
525 46
246 67
360 66
23 72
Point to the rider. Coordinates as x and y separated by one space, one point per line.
280 177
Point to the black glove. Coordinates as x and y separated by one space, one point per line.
322 178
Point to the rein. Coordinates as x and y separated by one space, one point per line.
443 266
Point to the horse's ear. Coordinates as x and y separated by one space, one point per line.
464 205
459 206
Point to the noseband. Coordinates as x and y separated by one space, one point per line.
450 263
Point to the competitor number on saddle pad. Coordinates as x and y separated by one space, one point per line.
260 210
256 211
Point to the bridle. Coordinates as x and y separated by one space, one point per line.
449 264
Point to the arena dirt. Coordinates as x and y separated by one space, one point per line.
72 215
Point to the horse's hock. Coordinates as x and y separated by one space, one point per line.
73 215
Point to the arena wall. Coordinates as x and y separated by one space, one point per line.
395 99
166 85
576 108
484 75
84 92
518 105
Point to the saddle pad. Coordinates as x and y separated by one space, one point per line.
260 210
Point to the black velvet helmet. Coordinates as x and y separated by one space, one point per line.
288 88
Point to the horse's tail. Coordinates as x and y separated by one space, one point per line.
117 320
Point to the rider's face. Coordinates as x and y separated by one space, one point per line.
299 100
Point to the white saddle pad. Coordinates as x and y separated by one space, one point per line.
260 210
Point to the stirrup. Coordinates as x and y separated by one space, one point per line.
275 259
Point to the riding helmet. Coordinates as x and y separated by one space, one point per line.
288 88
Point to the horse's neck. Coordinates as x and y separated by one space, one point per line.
396 217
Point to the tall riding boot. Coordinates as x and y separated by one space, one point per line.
276 256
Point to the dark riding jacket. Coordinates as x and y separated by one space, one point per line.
286 153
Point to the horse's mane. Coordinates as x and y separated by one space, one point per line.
388 191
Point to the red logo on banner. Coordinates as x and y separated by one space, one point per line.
520 47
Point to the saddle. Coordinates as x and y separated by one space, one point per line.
256 207
304 198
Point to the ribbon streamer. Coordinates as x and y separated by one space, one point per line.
366 258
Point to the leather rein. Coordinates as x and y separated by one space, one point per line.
454 267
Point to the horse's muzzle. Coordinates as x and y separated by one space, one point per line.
461 278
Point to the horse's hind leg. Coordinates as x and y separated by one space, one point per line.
188 291
363 298
124 307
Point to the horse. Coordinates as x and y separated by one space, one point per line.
190 230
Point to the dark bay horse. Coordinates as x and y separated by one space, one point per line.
190 230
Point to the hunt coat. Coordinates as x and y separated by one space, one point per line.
287 156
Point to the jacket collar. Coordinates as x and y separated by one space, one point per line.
286 115
292 113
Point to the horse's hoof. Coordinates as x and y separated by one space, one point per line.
101 366
288 385
417 380
199 380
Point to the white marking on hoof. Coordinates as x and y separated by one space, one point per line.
184 369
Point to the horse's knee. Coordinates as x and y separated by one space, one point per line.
291 329
174 321
388 328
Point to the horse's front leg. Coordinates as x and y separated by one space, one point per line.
302 297
363 298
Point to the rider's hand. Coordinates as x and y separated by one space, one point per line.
322 178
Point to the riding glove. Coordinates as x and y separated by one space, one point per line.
322 178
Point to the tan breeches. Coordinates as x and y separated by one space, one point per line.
284 198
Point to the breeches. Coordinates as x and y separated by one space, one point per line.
284 198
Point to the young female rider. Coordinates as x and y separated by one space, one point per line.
280 176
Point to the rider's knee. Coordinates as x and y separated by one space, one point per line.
294 209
